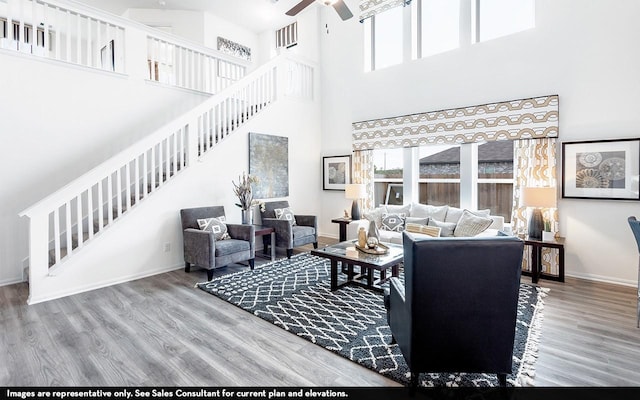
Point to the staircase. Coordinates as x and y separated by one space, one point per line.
74 217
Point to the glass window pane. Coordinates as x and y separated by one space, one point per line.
440 26
388 169
504 17
495 178
388 38
440 175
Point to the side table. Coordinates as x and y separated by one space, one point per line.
343 227
267 230
536 258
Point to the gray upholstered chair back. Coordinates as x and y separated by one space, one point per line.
272 205
190 216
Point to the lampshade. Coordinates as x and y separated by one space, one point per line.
355 191
544 197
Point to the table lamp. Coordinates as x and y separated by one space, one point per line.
355 191
538 197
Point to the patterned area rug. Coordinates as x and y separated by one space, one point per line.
295 295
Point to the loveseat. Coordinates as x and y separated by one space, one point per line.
422 219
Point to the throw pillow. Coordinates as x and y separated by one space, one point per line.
446 228
375 215
215 225
425 230
286 214
393 222
426 211
454 214
471 224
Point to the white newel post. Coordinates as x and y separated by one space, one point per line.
38 252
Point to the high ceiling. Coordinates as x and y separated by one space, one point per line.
255 15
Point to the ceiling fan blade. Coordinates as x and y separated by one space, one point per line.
343 10
299 7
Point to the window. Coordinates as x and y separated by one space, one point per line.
388 170
439 182
384 39
495 178
497 18
438 24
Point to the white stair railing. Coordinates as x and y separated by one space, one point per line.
63 222
187 67
84 36
62 32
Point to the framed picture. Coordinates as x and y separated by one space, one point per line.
269 162
336 172
601 169
394 194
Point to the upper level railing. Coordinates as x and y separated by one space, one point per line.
85 36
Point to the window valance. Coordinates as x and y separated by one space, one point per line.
509 120
369 8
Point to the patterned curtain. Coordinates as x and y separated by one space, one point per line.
535 165
369 8
362 172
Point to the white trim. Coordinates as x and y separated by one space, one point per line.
93 286
600 278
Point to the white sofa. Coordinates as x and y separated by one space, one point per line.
443 216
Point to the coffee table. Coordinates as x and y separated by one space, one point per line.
337 253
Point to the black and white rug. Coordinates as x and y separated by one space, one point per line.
295 295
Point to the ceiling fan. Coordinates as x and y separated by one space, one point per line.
341 8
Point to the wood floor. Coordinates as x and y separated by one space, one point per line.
162 331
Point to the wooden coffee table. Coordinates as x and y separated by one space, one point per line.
367 262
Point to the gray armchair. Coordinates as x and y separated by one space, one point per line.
203 250
456 311
288 235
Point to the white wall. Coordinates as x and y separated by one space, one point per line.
582 51
187 24
57 122
134 246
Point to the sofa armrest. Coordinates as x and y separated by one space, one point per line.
354 226
199 247
497 222
307 220
284 233
243 232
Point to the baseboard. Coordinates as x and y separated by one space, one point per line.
11 281
34 300
603 279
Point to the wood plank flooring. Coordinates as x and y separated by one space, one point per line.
162 331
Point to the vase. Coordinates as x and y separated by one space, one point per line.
247 217
373 231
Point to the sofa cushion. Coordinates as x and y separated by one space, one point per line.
231 246
396 209
286 214
393 222
416 220
446 228
426 211
215 225
454 214
302 231
423 229
471 224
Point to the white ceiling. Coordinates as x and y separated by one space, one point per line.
255 15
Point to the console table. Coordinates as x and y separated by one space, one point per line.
536 259
343 227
